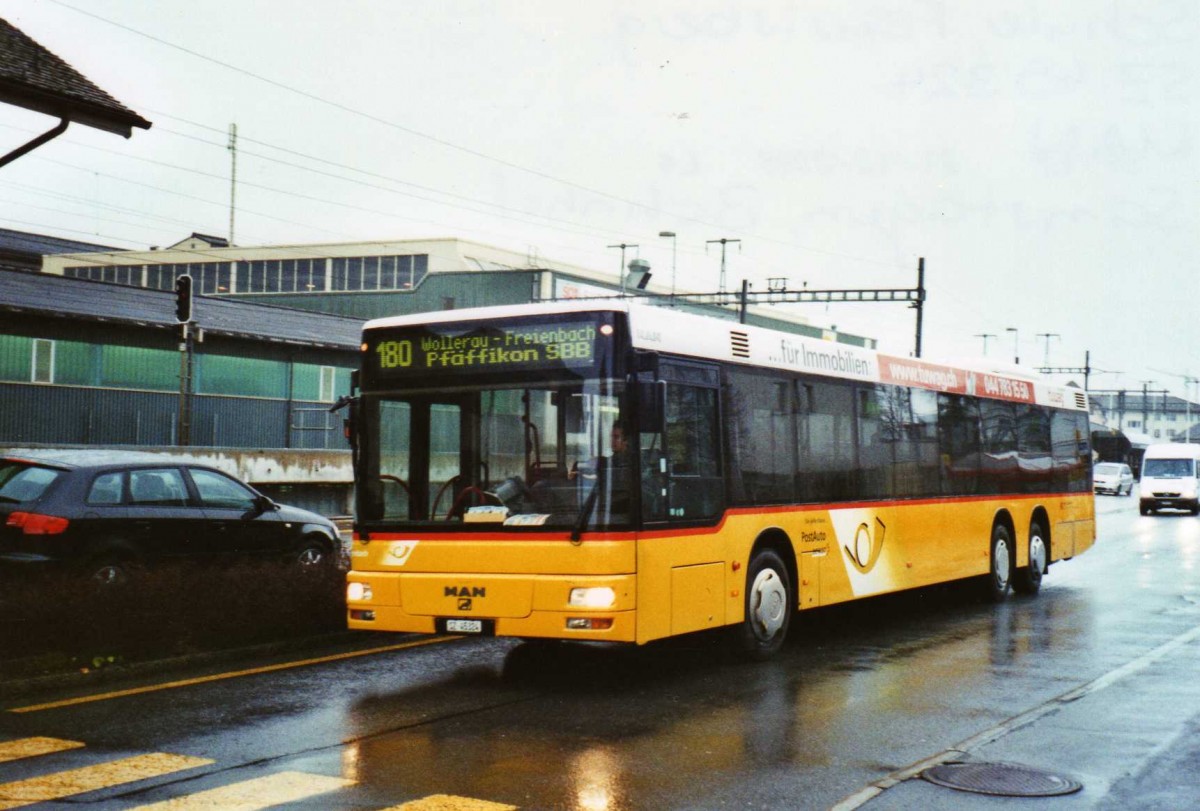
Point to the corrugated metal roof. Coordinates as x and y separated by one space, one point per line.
34 78
85 300
40 245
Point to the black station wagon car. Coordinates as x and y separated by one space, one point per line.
98 513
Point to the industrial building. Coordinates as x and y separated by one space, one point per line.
91 351
367 280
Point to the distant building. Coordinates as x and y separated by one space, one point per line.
86 363
367 280
1159 416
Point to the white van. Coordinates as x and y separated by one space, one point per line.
1169 478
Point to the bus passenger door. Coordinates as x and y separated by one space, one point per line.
420 458
681 571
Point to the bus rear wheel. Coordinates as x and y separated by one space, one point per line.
768 606
1000 575
1029 578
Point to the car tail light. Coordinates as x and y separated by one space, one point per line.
37 524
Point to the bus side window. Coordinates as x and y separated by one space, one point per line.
695 484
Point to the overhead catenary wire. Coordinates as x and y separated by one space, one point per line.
455 146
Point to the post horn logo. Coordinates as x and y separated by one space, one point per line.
867 546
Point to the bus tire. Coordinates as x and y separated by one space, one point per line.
769 602
1029 578
999 576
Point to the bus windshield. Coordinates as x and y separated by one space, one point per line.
545 454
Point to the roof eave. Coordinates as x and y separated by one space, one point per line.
120 122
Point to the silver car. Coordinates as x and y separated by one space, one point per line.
1112 477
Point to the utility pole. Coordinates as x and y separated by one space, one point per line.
984 336
1047 336
232 178
1146 405
724 242
919 304
621 269
1016 344
1085 370
674 245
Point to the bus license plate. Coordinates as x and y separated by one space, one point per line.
464 626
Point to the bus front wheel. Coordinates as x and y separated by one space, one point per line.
1000 576
768 606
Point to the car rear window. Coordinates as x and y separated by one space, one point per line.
24 481
107 489
1108 469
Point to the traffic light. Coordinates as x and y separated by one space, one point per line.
183 299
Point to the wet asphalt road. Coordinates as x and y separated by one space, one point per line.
860 694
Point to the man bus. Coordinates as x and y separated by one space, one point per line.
761 473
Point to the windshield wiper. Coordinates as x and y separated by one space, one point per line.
589 504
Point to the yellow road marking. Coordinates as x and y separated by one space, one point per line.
448 802
91 778
32 747
70 702
253 795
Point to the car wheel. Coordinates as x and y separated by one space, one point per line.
312 554
108 573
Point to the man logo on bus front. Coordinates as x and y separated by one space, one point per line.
867 549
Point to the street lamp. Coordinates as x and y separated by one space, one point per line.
674 244
1016 344
985 336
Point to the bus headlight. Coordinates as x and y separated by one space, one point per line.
594 597
358 592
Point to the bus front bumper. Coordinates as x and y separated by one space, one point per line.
545 606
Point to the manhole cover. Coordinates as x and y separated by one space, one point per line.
1001 779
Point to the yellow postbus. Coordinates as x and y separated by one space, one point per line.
626 472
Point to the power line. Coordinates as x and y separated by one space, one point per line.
448 144
586 230
368 173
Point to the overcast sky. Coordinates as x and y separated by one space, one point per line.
1041 157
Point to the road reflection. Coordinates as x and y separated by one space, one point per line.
603 729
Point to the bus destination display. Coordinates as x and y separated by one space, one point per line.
425 350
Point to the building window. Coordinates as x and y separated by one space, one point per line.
328 384
378 272
43 361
